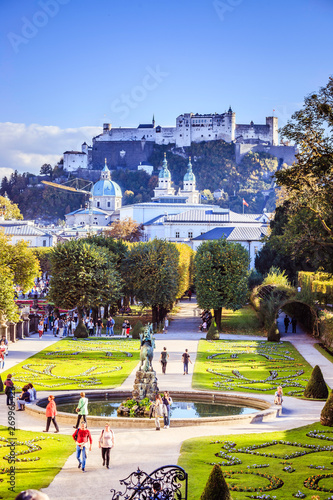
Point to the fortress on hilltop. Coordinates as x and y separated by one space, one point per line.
128 147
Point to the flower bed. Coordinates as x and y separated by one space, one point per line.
250 366
286 457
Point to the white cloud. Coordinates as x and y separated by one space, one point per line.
27 147
5 172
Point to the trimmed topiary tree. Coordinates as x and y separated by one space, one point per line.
137 329
213 333
216 487
316 388
326 416
80 331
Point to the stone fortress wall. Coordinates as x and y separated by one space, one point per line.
127 147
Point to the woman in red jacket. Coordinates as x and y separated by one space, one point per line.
51 411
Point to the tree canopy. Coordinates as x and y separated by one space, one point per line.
153 275
221 271
308 184
126 229
18 266
83 276
8 209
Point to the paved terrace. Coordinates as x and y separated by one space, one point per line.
146 448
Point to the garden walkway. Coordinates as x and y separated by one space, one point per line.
148 449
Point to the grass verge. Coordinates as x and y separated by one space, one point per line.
250 366
323 351
32 461
244 321
276 464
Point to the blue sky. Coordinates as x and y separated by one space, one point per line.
67 66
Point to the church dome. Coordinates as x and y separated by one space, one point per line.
165 172
189 176
105 186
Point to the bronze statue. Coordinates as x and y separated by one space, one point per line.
147 343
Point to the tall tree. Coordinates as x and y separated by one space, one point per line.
153 275
20 261
126 229
83 276
309 182
9 210
221 271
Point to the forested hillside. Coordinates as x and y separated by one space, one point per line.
213 164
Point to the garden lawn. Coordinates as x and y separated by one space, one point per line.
298 451
244 321
93 363
39 458
250 366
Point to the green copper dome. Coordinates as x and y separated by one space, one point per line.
189 176
165 172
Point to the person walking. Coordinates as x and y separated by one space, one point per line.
55 327
293 324
112 321
9 389
81 410
166 324
99 326
278 397
2 359
106 442
189 293
90 326
108 327
164 359
61 326
82 436
46 322
123 328
50 413
128 328
286 322
40 328
158 411
167 402
186 360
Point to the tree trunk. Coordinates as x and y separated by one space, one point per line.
154 313
218 317
106 311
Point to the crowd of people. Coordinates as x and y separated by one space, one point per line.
206 320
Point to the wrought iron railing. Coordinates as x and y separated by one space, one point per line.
165 483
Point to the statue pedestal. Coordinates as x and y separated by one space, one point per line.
145 385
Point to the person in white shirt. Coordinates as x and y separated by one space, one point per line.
106 442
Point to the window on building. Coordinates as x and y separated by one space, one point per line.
177 234
109 204
44 243
190 234
97 204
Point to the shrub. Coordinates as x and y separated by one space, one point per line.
213 333
273 334
216 487
316 388
80 331
326 416
137 329
255 279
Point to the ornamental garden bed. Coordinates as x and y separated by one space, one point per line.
38 459
70 364
250 366
279 465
